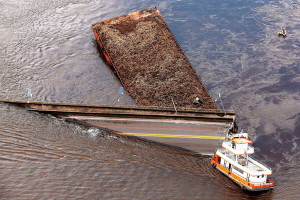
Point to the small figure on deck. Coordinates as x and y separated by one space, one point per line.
283 33
197 101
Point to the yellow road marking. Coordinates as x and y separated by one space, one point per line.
173 136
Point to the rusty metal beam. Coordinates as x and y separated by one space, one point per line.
116 111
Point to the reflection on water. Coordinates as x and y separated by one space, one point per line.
48 46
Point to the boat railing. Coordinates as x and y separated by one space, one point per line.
250 147
227 153
223 151
260 184
242 161
228 144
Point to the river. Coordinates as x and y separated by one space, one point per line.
49 47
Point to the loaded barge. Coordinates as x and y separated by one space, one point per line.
149 62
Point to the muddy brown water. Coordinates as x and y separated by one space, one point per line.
48 46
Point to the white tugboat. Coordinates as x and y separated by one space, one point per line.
234 161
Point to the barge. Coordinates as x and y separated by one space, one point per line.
149 62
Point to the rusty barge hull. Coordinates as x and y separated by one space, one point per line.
149 62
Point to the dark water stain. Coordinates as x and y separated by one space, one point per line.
286 83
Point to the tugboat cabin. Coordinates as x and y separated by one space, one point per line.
234 161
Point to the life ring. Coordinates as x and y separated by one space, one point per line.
214 165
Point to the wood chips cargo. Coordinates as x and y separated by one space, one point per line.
150 63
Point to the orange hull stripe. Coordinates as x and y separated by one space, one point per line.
96 34
239 178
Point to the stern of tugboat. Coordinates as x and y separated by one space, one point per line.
261 187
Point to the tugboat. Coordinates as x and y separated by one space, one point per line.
233 160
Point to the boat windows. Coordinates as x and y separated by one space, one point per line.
238 170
